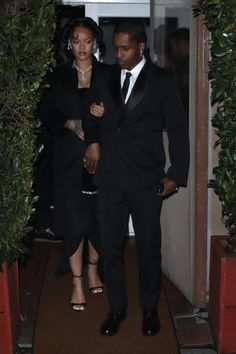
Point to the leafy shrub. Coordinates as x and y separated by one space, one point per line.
219 17
26 54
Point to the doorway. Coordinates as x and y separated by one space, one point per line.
178 216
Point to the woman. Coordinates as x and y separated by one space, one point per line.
64 110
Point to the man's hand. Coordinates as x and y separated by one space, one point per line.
91 157
170 187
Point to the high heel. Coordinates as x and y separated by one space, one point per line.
95 289
80 307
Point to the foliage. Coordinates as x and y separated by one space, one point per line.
26 54
219 17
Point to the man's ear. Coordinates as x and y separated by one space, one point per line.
141 48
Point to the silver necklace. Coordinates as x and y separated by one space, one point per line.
83 71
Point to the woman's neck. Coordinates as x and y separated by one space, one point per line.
83 64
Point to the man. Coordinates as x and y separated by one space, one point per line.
131 169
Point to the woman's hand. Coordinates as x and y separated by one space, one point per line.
76 126
81 134
97 110
70 124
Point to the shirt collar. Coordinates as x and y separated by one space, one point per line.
136 70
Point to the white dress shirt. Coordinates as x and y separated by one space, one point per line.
135 73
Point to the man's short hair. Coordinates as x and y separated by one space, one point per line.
134 28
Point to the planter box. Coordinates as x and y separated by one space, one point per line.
9 308
222 296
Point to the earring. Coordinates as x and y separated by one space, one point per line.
94 47
68 45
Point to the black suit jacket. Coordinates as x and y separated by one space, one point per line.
131 135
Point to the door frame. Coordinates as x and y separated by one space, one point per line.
201 165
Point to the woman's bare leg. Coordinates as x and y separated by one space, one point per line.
76 263
95 284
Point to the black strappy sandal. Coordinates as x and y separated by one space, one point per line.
80 307
95 289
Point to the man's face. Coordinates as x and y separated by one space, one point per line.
127 50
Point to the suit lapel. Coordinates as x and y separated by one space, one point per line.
138 92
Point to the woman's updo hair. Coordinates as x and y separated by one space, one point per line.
85 22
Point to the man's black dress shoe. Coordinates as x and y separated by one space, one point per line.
151 323
112 323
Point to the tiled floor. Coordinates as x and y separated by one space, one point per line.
192 328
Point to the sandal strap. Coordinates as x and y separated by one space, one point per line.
92 263
77 276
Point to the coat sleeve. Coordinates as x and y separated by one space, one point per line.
92 130
50 115
176 124
91 124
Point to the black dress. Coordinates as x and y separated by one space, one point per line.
75 210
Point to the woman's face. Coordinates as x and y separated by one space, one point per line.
82 43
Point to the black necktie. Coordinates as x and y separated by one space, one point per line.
125 86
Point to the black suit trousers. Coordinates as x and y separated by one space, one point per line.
144 207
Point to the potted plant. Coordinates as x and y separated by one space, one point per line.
219 17
26 53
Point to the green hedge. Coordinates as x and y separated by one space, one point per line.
220 19
26 54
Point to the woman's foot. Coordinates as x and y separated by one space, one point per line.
78 302
95 284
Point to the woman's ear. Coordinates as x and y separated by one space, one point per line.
94 46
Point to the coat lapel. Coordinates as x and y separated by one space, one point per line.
115 92
114 88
